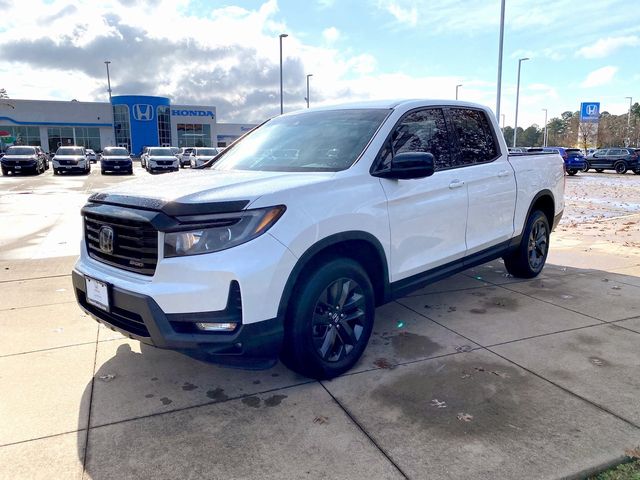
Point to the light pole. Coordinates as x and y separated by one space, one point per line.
515 127
107 62
282 35
502 115
307 99
629 123
457 86
544 137
500 59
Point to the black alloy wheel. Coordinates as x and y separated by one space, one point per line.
329 320
338 319
620 167
528 259
538 245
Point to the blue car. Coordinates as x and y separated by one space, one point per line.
573 158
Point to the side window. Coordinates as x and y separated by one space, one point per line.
475 139
421 131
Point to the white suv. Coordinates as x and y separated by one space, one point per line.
300 229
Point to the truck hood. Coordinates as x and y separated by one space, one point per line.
162 157
19 157
204 191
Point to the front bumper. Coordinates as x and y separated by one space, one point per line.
70 166
117 166
139 317
19 165
155 167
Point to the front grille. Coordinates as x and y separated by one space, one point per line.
67 162
123 319
135 243
164 162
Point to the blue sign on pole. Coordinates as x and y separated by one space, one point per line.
590 112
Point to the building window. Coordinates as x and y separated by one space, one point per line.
22 135
88 137
59 137
164 126
194 135
122 126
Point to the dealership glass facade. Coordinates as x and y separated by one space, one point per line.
164 125
88 137
121 126
23 135
194 135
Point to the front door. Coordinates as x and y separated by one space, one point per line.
427 216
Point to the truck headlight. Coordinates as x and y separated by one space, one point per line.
220 231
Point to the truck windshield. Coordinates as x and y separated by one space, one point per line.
69 151
21 151
324 141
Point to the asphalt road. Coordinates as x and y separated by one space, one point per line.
478 376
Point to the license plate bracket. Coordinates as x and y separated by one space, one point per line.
97 293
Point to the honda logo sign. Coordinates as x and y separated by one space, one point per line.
105 239
143 112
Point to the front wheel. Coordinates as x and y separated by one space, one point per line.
329 323
620 167
530 256
5 171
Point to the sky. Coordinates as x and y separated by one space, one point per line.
226 53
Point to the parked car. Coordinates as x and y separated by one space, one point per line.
306 224
143 157
71 159
23 158
183 156
573 163
44 155
618 159
91 155
161 159
116 159
201 155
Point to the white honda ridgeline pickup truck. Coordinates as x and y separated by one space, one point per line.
285 245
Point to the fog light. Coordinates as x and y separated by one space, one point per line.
216 327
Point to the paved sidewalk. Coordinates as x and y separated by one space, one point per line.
481 376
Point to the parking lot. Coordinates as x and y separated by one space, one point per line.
478 376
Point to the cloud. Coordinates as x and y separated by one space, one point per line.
331 34
404 14
600 77
606 46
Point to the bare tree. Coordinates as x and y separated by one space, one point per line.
3 93
588 135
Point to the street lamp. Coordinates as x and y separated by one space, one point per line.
457 86
307 99
515 127
107 62
282 35
629 123
544 137
500 59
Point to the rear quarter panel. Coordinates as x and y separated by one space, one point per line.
535 173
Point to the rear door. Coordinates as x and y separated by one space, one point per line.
427 216
491 184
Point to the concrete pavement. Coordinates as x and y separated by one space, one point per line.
478 376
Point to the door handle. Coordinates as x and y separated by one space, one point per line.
456 184
503 173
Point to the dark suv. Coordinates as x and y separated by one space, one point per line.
618 159
25 158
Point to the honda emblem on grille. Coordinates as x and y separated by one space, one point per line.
106 239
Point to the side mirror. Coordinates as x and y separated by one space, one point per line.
409 165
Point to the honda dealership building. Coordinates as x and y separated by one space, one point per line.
131 121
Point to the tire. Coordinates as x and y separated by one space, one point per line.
5 171
320 342
637 171
586 169
103 171
599 170
572 171
56 171
620 168
130 171
530 256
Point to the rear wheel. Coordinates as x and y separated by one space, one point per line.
572 171
620 167
329 323
599 170
586 168
530 256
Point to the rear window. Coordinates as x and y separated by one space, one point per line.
112 152
475 138
21 151
573 150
